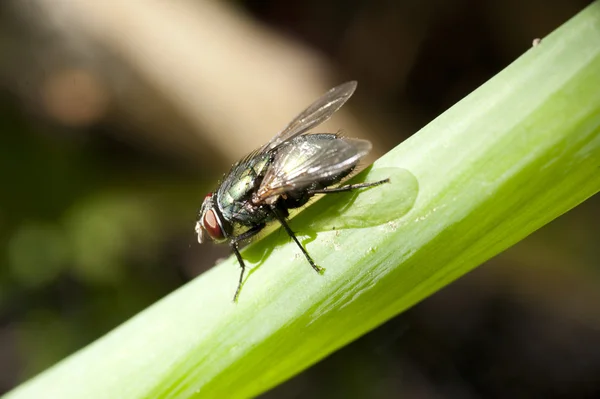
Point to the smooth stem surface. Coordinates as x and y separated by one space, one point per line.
515 154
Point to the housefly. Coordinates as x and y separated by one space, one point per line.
283 174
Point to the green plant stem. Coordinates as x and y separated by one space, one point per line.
512 156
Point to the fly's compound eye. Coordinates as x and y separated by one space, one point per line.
211 225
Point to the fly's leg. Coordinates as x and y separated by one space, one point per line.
234 243
236 251
289 231
349 187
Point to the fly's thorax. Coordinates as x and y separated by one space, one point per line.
234 198
244 177
242 214
239 189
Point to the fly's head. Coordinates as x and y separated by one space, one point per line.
209 223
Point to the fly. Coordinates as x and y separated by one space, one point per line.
281 175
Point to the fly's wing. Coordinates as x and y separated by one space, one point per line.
317 113
297 166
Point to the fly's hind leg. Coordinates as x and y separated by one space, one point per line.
348 187
289 231
234 243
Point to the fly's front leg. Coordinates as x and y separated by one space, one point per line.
234 243
348 187
289 231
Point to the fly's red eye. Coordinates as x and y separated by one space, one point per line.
209 195
211 225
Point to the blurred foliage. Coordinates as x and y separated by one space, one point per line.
86 225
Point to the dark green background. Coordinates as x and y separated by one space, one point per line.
95 227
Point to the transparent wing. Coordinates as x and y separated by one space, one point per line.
298 165
317 113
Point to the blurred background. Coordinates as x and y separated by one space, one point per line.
117 117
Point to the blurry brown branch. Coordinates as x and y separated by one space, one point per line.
232 80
